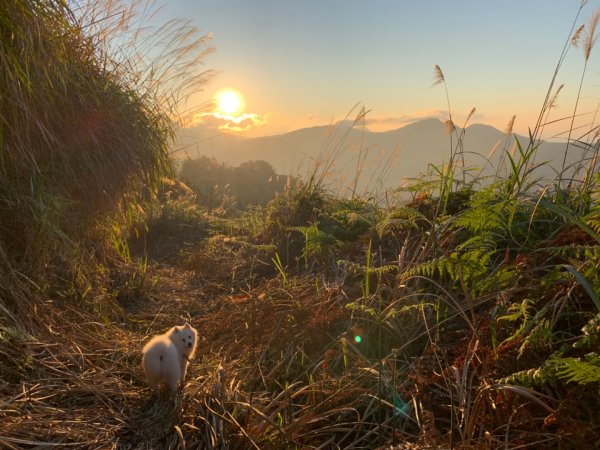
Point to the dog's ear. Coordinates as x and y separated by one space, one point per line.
175 330
187 325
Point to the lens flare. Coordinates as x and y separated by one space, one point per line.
357 339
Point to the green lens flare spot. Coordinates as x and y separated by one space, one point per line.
357 339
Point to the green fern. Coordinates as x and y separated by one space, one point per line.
399 220
497 281
486 212
593 221
579 370
534 326
584 370
540 338
486 241
546 374
530 378
348 220
316 241
468 268
519 312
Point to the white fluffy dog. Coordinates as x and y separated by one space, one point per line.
166 357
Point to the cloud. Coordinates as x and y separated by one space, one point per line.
229 123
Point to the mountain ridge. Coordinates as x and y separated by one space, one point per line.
408 150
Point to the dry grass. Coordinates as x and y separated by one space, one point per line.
265 374
76 385
297 377
79 382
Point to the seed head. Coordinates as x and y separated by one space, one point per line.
438 76
509 126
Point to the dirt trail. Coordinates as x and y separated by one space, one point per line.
78 378
175 295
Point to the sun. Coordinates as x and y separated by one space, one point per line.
229 101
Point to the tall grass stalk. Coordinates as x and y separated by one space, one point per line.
589 40
535 134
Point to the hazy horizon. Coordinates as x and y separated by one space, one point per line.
359 125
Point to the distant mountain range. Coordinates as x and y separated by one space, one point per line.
397 154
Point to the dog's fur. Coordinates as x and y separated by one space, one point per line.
166 357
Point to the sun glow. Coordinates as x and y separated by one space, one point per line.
229 101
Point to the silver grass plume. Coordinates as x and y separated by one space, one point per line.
590 36
510 125
553 101
577 36
438 76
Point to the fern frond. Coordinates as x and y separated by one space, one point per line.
400 219
572 370
316 241
546 374
529 378
470 269
486 241
575 251
579 370
519 312
593 220
486 212
499 280
359 269
540 338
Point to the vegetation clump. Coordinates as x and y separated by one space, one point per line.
232 189
76 138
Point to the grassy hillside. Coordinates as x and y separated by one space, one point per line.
464 317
